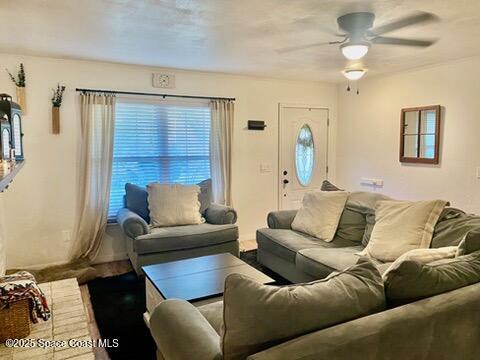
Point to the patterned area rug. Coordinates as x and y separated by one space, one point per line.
119 303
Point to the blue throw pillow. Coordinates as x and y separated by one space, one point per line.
136 200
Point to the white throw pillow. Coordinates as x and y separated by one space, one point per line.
424 256
320 214
173 204
401 226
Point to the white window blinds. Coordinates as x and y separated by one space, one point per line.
157 141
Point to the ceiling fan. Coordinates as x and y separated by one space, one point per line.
359 34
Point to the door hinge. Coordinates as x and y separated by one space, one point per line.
328 122
327 169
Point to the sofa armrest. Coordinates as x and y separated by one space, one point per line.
131 223
281 219
182 333
220 214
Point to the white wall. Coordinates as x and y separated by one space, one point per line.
369 126
41 202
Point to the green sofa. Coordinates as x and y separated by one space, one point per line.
147 245
299 257
442 327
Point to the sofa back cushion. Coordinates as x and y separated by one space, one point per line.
452 227
320 214
355 223
401 226
257 316
173 204
411 280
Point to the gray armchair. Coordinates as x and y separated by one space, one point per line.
147 245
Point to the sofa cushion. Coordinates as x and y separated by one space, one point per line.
184 237
286 243
411 280
136 200
401 226
320 214
352 225
258 316
321 262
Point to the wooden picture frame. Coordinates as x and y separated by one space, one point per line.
417 136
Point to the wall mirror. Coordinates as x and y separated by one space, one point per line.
420 135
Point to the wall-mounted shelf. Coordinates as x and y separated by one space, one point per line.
7 178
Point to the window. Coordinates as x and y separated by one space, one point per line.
158 141
304 155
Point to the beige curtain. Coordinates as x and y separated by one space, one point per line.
97 122
221 136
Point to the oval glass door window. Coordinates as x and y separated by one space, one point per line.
304 155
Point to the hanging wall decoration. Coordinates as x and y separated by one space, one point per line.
19 82
56 103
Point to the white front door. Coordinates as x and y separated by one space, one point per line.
303 153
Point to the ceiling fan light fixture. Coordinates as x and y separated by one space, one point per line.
355 51
355 74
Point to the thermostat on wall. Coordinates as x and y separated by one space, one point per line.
163 80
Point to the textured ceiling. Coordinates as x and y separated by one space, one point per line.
233 36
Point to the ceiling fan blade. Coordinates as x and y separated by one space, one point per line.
405 42
423 17
307 46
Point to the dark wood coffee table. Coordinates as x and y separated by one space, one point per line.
198 280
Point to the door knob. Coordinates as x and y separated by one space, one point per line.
285 181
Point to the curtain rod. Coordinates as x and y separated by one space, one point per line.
153 94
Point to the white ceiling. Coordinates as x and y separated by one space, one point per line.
233 36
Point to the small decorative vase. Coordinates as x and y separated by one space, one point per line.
21 99
55 119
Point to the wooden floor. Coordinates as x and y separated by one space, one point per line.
118 268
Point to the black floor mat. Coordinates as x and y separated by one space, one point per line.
119 303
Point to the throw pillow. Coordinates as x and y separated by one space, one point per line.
136 200
320 214
205 196
257 316
424 256
470 243
173 204
411 280
401 226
